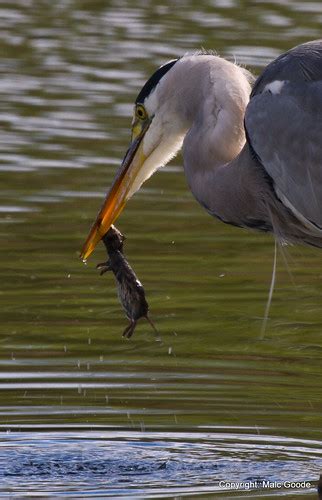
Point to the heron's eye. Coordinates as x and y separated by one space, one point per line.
141 112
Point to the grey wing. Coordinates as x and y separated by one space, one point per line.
300 64
283 123
284 129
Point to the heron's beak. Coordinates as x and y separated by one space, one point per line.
121 190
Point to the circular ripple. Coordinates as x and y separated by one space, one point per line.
130 463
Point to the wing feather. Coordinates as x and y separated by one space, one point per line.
284 128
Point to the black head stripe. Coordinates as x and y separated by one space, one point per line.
153 81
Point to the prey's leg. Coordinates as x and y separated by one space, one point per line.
104 267
126 330
129 330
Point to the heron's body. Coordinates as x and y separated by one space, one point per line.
252 157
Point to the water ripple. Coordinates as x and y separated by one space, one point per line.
151 463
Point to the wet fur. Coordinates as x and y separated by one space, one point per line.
130 290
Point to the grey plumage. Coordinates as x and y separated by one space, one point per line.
299 64
275 182
252 157
285 131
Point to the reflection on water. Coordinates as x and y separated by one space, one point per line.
140 417
155 464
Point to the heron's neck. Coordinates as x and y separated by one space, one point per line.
215 139
216 135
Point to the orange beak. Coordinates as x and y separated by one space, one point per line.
126 182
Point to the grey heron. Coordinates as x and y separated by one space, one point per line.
252 150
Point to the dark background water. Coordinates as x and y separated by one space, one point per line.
82 410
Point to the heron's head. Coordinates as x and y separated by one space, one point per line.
157 134
186 91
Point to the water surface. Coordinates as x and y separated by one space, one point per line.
84 412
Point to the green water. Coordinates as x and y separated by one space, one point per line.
70 71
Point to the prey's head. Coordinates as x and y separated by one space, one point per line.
156 137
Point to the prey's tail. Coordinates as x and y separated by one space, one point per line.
152 324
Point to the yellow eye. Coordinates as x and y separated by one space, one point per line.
141 112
